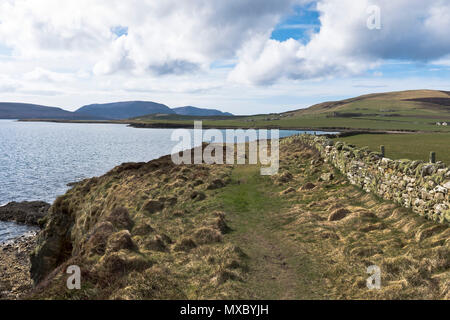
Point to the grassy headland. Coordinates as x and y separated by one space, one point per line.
159 231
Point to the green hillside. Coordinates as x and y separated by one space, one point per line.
416 110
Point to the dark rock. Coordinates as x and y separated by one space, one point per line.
24 212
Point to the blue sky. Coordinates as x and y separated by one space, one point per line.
299 25
241 56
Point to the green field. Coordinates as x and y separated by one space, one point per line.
316 122
406 146
417 110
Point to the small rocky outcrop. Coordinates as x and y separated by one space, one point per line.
24 212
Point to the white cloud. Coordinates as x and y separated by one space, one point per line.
169 36
72 52
41 74
411 29
8 85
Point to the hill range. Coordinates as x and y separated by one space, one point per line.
413 110
33 111
107 111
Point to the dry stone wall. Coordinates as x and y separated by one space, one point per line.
423 187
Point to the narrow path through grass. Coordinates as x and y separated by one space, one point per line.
278 269
307 238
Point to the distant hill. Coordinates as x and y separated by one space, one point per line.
124 110
194 111
9 110
413 103
106 111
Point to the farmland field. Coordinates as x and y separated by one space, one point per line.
406 146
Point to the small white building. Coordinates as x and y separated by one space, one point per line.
438 123
444 123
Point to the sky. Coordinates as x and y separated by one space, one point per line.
240 56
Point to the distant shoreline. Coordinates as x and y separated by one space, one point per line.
160 125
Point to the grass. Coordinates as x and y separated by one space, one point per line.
294 252
406 146
258 240
276 269
317 122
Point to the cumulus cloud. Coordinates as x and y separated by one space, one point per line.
161 37
95 48
411 30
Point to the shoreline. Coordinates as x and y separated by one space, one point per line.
15 280
160 125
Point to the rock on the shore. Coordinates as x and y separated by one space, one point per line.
15 281
24 212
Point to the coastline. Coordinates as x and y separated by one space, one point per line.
169 225
15 280
162 125
208 234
